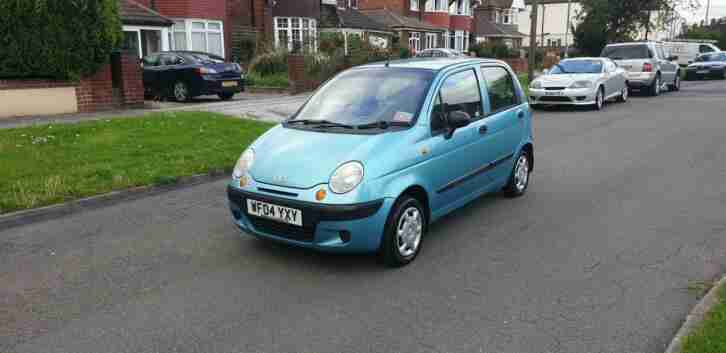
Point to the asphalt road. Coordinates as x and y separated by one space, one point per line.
626 212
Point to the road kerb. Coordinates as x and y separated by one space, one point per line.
25 217
696 317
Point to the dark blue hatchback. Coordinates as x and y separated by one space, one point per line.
183 75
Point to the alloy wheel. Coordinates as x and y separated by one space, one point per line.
624 94
180 92
408 232
599 99
521 173
657 85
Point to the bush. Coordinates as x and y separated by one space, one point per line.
269 63
330 42
56 39
495 50
279 80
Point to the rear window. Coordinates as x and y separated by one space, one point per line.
627 52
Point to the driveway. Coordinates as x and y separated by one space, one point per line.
626 210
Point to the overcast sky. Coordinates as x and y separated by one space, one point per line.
718 10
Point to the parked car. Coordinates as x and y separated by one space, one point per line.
183 75
581 81
649 67
688 50
383 150
439 53
708 65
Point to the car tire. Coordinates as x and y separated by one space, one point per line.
655 87
404 232
624 94
226 96
521 175
676 85
180 91
599 99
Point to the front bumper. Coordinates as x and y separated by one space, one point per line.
709 72
567 96
349 228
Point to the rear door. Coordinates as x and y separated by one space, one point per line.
668 68
504 122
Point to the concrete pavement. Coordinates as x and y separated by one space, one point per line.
625 210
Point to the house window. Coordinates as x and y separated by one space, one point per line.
414 41
199 35
430 40
460 7
295 33
353 4
414 5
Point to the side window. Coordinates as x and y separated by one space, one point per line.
500 87
659 50
151 61
705 49
461 91
170 60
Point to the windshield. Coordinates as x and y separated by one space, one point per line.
577 67
367 96
627 52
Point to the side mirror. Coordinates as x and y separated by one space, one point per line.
456 120
673 58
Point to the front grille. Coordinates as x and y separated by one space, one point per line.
555 99
555 88
282 230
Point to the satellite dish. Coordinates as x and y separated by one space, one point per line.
518 5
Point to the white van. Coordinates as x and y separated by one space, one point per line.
687 50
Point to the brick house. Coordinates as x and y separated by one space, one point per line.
497 21
199 25
446 23
343 16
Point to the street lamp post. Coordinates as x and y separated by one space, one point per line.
532 41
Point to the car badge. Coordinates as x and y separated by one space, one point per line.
279 179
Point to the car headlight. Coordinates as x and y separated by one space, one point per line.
244 163
346 177
581 84
536 84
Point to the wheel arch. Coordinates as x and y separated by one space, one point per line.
419 193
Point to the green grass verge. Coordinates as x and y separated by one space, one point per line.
711 336
49 164
276 80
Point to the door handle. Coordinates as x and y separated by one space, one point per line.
483 130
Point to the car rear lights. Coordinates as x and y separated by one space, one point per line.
205 71
647 67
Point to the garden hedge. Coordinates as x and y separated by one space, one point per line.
58 39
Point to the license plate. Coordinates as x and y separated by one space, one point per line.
229 84
274 212
702 71
555 93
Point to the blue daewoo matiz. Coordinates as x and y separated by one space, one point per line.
381 151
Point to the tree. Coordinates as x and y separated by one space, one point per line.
604 21
58 39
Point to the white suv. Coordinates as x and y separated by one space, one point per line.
648 65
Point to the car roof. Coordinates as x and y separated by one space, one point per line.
434 64
633 43
585 58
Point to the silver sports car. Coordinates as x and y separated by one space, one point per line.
580 81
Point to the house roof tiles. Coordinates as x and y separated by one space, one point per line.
133 13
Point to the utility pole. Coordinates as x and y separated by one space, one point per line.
567 30
543 23
708 9
532 41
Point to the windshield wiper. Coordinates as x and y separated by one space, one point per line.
320 123
382 124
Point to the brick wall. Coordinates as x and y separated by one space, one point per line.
461 23
95 92
519 65
132 82
32 83
440 19
204 9
397 6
